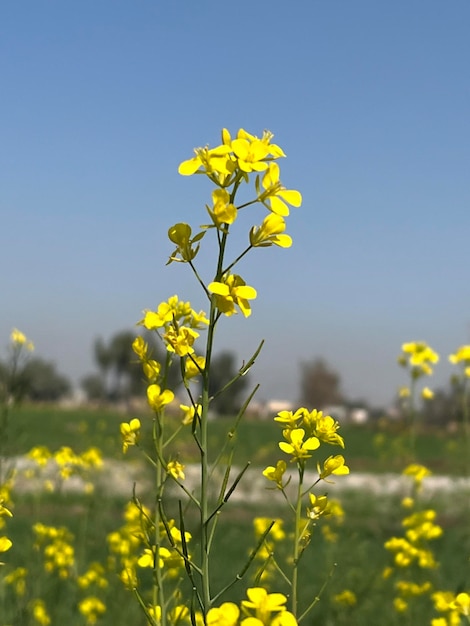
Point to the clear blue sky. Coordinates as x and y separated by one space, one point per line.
101 100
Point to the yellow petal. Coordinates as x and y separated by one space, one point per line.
189 167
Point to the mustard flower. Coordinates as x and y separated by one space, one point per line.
400 605
3 509
290 419
270 233
417 472
189 412
167 312
17 579
223 211
175 469
251 152
148 557
346 598
5 544
262 523
130 433
275 196
404 392
17 337
151 369
158 398
226 614
194 366
186 250
276 473
140 347
427 394
284 618
95 575
39 611
231 292
461 603
462 355
296 446
419 356
180 340
318 506
215 160
324 427
333 465
263 604
91 608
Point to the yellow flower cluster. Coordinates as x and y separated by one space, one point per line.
419 358
462 357
58 551
19 339
260 609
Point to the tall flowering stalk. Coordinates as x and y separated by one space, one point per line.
303 432
244 161
461 358
418 358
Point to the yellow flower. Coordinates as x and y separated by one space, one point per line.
296 446
225 615
319 506
334 465
346 598
404 392
416 471
176 470
419 356
324 427
209 160
263 604
140 347
276 473
223 211
461 603
275 196
130 433
157 398
5 544
252 152
270 232
194 366
231 292
427 394
180 340
39 611
189 412
461 356
17 337
180 234
91 608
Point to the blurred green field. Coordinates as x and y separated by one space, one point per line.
355 561
368 448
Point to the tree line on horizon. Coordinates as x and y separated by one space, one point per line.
119 378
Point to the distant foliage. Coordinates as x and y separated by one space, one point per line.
319 385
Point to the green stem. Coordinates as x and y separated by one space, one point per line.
297 536
158 587
466 424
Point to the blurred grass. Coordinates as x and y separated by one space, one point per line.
368 448
355 561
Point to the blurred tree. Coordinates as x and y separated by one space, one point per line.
120 370
223 369
40 381
319 385
93 386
